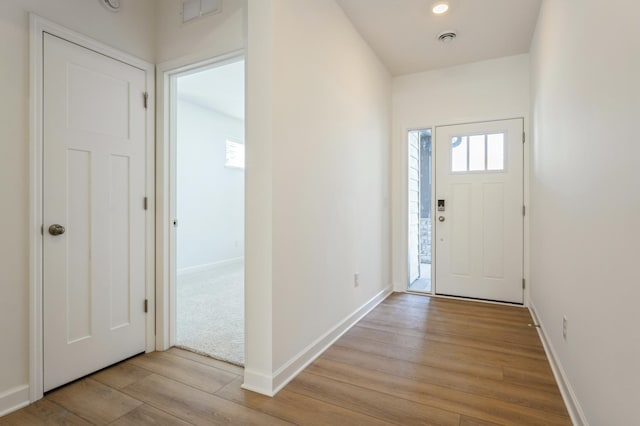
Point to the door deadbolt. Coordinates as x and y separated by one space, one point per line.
56 230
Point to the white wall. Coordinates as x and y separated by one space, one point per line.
210 197
131 30
317 159
488 90
324 169
331 127
586 199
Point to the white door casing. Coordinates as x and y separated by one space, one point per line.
414 206
166 168
479 242
94 177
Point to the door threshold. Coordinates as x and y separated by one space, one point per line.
468 299
419 293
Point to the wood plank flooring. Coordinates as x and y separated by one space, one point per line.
414 360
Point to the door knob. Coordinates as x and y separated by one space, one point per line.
441 218
56 229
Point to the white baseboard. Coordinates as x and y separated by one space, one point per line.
299 362
258 382
272 385
14 399
211 265
568 395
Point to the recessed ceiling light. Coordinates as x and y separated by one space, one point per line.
440 8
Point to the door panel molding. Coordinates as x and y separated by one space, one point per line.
38 27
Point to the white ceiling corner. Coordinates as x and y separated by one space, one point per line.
403 32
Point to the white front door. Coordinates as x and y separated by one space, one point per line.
94 188
479 234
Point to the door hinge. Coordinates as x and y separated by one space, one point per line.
145 203
146 305
145 96
41 229
523 283
524 137
524 210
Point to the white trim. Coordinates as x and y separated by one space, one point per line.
38 26
208 266
194 62
14 399
258 382
526 170
403 285
568 395
166 200
35 210
404 207
270 386
151 208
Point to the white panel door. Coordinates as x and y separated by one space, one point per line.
414 206
93 186
479 235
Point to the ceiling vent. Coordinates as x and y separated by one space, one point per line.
111 5
192 9
447 36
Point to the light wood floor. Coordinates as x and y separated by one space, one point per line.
414 360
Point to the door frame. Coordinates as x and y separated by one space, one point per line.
404 207
37 27
165 288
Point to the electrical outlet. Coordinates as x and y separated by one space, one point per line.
565 322
356 280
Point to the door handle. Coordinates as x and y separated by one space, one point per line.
56 230
441 218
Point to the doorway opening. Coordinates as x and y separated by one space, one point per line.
209 211
420 210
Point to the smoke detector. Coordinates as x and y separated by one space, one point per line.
111 5
447 36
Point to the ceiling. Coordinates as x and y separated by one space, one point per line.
220 89
403 32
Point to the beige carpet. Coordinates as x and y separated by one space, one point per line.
210 313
